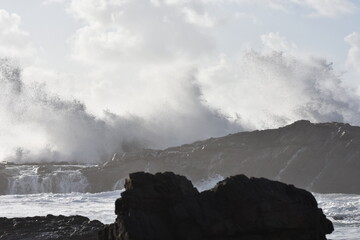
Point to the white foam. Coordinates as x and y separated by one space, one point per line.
208 183
98 206
30 181
342 209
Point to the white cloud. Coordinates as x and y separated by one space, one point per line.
278 5
14 41
353 57
246 16
202 20
321 8
126 31
328 8
49 2
276 42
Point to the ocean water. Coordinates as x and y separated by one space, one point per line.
99 206
342 209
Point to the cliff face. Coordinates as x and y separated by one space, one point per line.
166 206
321 157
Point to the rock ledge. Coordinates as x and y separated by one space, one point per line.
49 228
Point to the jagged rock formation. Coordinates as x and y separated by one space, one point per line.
49 228
166 206
322 157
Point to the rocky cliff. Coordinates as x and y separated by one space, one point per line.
322 157
166 206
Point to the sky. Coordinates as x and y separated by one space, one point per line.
83 79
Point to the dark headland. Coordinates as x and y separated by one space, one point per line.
323 158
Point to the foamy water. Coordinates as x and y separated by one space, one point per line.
98 206
342 209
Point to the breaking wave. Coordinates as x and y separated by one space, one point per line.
254 91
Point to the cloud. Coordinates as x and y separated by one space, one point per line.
148 31
277 5
14 41
202 20
246 16
328 8
49 2
353 57
275 42
321 8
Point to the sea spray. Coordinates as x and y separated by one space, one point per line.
29 180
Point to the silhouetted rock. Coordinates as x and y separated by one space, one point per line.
166 206
49 228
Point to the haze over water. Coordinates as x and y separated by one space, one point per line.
83 79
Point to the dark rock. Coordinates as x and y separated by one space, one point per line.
3 183
49 228
167 206
323 157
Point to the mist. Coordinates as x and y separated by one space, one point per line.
258 90
40 127
156 74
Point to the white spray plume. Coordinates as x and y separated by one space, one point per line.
39 126
272 89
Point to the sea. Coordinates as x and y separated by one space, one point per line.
342 209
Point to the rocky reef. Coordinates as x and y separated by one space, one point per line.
166 206
49 228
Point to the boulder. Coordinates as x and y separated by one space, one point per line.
49 228
166 206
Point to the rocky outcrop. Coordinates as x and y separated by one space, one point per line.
49 228
166 206
322 158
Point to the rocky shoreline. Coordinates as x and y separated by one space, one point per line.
49 228
166 206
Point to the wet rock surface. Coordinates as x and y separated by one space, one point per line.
49 228
167 206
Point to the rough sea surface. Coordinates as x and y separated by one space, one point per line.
342 209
